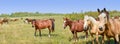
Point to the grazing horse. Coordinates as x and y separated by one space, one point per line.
27 20
75 26
14 19
92 24
42 24
5 20
111 26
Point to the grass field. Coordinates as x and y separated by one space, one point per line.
22 33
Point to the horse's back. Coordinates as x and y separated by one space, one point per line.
78 26
43 23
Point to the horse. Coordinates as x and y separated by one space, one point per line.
5 20
75 26
91 24
14 19
111 26
28 20
1 21
42 24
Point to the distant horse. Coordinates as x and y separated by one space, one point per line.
92 24
1 21
5 20
42 24
28 20
75 26
14 19
111 26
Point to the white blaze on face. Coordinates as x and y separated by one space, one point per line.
102 15
26 21
64 23
85 21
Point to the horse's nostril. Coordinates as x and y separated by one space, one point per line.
85 28
100 28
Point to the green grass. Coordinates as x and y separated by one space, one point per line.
22 33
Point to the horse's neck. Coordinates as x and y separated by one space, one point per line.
91 24
70 24
108 29
92 21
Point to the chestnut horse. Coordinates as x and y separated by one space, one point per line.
75 26
1 21
42 24
111 26
5 20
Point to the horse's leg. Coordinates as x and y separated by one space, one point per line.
76 38
108 40
103 39
73 35
86 35
92 38
35 32
116 39
40 32
49 32
97 41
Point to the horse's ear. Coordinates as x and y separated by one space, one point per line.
104 9
63 17
98 10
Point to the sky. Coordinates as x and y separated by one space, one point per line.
56 6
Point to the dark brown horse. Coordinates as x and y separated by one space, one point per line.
42 24
75 26
5 20
111 26
28 20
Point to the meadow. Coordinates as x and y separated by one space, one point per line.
22 33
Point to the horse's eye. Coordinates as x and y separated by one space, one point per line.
104 17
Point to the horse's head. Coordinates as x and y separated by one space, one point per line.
52 19
103 18
86 22
26 20
89 22
33 23
66 22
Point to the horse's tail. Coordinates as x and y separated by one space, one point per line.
53 26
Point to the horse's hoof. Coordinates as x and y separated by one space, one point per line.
76 40
48 35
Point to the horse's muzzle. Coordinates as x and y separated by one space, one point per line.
33 26
100 28
64 27
85 28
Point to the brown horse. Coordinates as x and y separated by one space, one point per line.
111 26
42 24
14 19
5 20
1 21
28 20
75 26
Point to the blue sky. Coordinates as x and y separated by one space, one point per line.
56 6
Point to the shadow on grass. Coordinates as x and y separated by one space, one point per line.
46 35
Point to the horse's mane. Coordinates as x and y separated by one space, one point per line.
92 20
